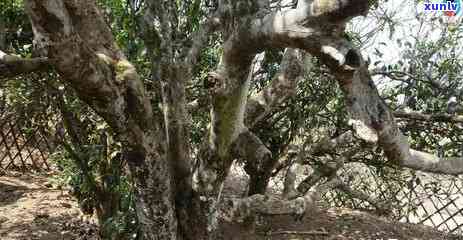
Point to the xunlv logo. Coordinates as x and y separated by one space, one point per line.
449 8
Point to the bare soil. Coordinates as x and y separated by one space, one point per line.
31 208
333 224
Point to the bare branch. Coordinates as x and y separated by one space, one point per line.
258 159
422 161
267 205
380 207
374 122
81 47
83 51
282 87
440 117
399 76
297 28
11 65
427 162
240 209
327 144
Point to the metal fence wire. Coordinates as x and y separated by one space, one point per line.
23 148
413 197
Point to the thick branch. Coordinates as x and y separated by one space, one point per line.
374 122
228 87
259 162
440 117
314 26
298 27
278 29
279 90
11 65
416 160
248 146
80 46
427 162
325 11
240 209
327 144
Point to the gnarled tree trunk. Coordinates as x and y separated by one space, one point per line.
77 43
80 46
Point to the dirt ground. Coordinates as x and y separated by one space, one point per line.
334 224
32 208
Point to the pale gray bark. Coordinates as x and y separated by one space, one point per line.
242 208
259 162
292 28
282 87
80 46
374 122
296 28
414 159
370 116
441 117
11 65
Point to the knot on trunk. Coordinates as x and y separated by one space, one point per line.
215 83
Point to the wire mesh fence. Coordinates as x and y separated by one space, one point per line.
411 197
22 147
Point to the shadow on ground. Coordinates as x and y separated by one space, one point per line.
44 227
31 208
10 193
331 224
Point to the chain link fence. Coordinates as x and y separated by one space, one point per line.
26 141
412 197
24 145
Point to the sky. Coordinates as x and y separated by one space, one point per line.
406 27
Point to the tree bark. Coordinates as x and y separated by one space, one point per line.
80 46
418 116
11 65
259 161
282 87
